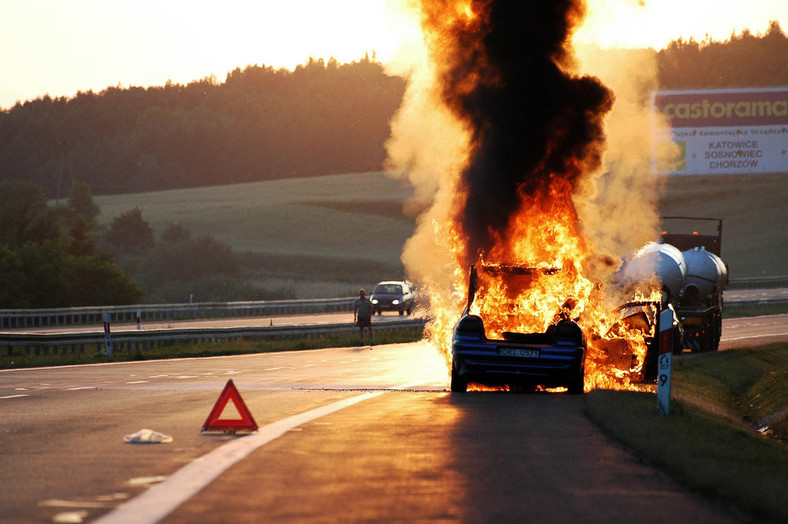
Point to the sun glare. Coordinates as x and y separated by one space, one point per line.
650 23
92 44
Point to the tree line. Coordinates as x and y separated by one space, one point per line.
49 255
745 60
260 123
56 255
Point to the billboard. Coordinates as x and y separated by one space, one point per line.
721 131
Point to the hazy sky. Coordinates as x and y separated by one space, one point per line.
59 47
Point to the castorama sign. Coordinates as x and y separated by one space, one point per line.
722 131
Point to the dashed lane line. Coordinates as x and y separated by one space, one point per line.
160 500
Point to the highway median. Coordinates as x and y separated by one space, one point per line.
32 350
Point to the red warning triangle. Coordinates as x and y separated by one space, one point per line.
215 422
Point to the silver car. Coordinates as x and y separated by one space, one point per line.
393 295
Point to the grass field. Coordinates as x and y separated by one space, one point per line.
754 210
323 236
328 236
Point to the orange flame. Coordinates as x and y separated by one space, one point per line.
545 234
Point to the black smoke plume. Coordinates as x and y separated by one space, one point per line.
503 71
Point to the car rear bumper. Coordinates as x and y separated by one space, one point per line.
481 363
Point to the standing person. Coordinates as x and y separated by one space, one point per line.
362 316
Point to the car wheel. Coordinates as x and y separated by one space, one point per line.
458 385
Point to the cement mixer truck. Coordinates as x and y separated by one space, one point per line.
692 276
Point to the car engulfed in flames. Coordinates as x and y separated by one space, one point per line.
553 358
495 345
524 194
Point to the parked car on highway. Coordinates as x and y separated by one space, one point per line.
555 358
391 295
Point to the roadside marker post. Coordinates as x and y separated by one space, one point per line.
107 337
215 422
665 362
139 320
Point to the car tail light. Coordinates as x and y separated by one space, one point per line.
470 325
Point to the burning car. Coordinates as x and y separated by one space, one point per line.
552 358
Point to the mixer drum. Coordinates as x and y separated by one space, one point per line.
706 274
662 261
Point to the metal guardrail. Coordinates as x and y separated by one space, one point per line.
127 341
756 303
142 340
27 318
757 282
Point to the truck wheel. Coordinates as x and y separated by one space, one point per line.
717 334
678 343
706 340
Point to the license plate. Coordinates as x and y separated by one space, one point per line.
518 352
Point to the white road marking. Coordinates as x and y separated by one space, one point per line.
160 500
137 382
77 388
60 503
13 396
147 481
70 517
748 337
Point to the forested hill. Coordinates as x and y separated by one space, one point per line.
745 60
262 123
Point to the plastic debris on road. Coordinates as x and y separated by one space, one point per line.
147 436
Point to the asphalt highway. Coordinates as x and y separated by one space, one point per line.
751 331
346 435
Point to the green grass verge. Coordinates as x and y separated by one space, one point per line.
19 358
709 442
